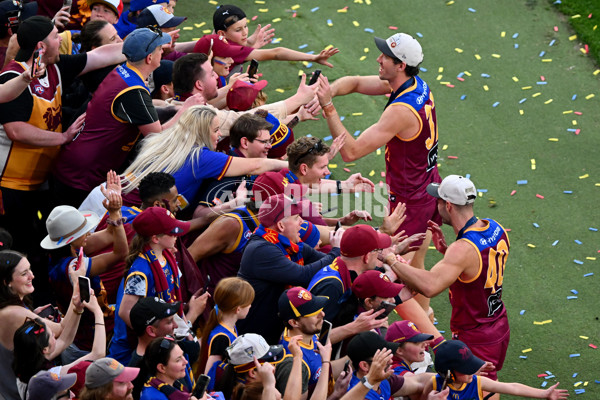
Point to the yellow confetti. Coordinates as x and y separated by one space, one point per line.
378 152
441 69
200 25
329 46
547 321
571 38
589 96
366 49
577 384
456 49
195 39
583 51
553 139
467 73
300 72
188 28
526 350
521 112
263 10
445 147
342 10
548 101
567 112
368 2
514 78
526 87
295 6
276 20
329 23
531 245
332 166
305 63
533 161
480 194
439 77
502 34
486 88
584 384
444 83
536 94
450 3
279 90
213 2
596 72
547 60
496 55
477 56
584 337
355 23
350 164
259 1
574 122
207 31
591 258
576 16
597 184
372 173
584 176
39 214
357 114
363 58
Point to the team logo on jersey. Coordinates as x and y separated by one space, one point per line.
247 235
38 89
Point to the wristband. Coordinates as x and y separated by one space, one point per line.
328 110
78 312
365 382
117 222
339 186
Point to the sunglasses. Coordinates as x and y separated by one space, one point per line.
317 147
158 32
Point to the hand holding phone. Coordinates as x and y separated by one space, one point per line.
201 386
387 306
84 288
325 330
253 68
315 77
37 62
445 380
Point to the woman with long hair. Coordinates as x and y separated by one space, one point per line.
233 298
187 151
16 284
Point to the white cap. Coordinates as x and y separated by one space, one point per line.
403 47
454 189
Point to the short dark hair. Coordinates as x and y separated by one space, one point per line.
154 185
410 71
156 353
304 151
187 70
248 126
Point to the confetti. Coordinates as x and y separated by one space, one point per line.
526 350
555 243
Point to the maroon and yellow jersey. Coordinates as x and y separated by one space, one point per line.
25 167
411 164
478 301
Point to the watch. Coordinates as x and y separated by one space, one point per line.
365 382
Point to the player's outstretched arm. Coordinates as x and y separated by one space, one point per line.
518 389
370 85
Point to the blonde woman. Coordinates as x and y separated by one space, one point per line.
186 151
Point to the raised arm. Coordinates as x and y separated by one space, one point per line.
285 54
103 56
370 85
254 166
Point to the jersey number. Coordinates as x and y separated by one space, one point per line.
433 132
497 262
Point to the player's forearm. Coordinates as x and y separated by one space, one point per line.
370 85
418 279
336 128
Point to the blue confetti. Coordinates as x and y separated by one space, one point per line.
574 375
309 65
549 373
574 97
464 96
342 118
567 191
523 357
516 45
542 53
327 176
536 225
555 243
310 52
308 135
369 30
588 274
522 182
329 22
472 10
468 176
578 262
522 312
419 34
423 69
574 291
326 138
485 75
579 391
496 104
542 83
571 130
523 100
544 384
314 9
356 133
516 35
577 241
460 75
275 41
558 2
549 376
574 355
571 297
552 42
593 229
482 190
302 46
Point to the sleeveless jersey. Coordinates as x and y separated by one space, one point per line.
221 330
467 391
384 392
310 356
411 164
26 167
479 300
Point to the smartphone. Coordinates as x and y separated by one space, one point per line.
201 386
445 380
315 76
79 259
37 62
347 367
324 334
253 68
84 288
338 225
183 203
67 3
387 306
206 284
49 311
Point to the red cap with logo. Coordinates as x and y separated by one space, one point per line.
361 239
159 221
375 283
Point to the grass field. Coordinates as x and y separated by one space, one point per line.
527 110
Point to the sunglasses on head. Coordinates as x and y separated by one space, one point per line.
158 32
37 326
317 147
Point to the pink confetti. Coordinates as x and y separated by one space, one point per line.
383 174
254 18
394 28
347 169
452 157
578 113
380 184
556 29
539 196
542 78
461 79
294 15
450 85
590 16
542 375
593 346
513 192
577 131
587 48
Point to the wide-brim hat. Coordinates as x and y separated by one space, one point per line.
65 224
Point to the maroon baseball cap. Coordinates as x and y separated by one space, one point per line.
159 221
361 239
277 207
220 46
298 302
242 94
374 283
405 331
271 183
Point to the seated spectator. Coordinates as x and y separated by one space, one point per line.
46 385
166 365
455 358
275 257
36 347
159 15
106 378
413 347
152 271
127 22
246 355
233 298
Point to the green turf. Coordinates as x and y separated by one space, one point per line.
495 145
584 17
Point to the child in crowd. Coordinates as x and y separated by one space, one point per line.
413 346
233 298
